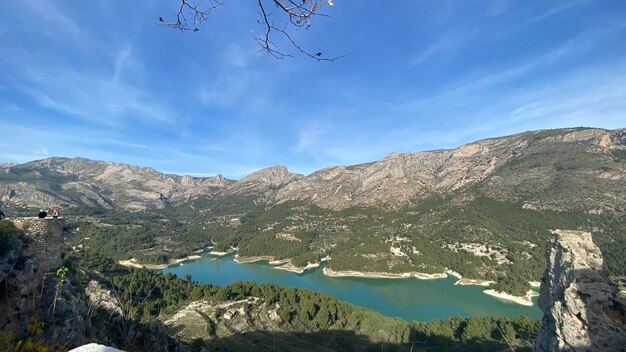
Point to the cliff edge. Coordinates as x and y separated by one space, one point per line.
582 311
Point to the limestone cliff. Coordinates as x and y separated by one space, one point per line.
79 181
582 311
544 169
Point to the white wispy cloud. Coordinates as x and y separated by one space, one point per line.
594 96
103 85
123 59
238 55
88 94
481 83
312 136
126 144
233 87
49 13
76 78
448 43
497 7
553 11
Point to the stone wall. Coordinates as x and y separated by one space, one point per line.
582 311
46 241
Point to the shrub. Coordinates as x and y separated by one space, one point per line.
8 231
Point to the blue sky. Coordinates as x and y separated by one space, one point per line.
100 79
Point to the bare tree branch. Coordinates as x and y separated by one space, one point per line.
196 12
292 14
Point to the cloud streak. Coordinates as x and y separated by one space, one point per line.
101 80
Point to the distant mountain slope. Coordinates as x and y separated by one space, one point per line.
551 169
534 164
80 181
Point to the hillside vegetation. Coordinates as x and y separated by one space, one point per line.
270 317
484 210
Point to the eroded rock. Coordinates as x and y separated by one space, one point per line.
582 311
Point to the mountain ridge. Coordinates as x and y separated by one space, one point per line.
483 210
394 180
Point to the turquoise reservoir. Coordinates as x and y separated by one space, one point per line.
409 298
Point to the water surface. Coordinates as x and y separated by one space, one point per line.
409 298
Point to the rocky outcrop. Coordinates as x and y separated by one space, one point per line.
101 297
582 311
80 181
33 291
275 176
264 182
46 241
505 167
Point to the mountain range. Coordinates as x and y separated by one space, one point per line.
550 169
484 210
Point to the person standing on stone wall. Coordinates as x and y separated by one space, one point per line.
55 213
42 213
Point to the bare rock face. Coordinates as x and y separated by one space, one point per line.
582 311
264 179
400 178
262 185
33 292
80 181
541 168
46 241
100 297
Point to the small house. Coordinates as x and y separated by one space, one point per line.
230 313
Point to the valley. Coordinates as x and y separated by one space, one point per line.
484 210
406 298
429 250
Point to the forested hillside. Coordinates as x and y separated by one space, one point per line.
484 210
272 318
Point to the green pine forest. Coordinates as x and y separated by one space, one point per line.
427 232
150 297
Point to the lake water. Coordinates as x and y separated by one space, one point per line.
410 298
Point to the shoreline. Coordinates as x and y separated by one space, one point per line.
260 258
286 265
474 282
454 273
279 262
383 275
523 300
297 269
221 254
244 260
132 262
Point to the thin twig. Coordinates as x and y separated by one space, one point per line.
295 14
504 337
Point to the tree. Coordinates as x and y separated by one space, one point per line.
291 15
507 331
187 277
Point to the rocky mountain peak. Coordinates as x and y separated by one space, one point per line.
392 156
582 310
273 175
